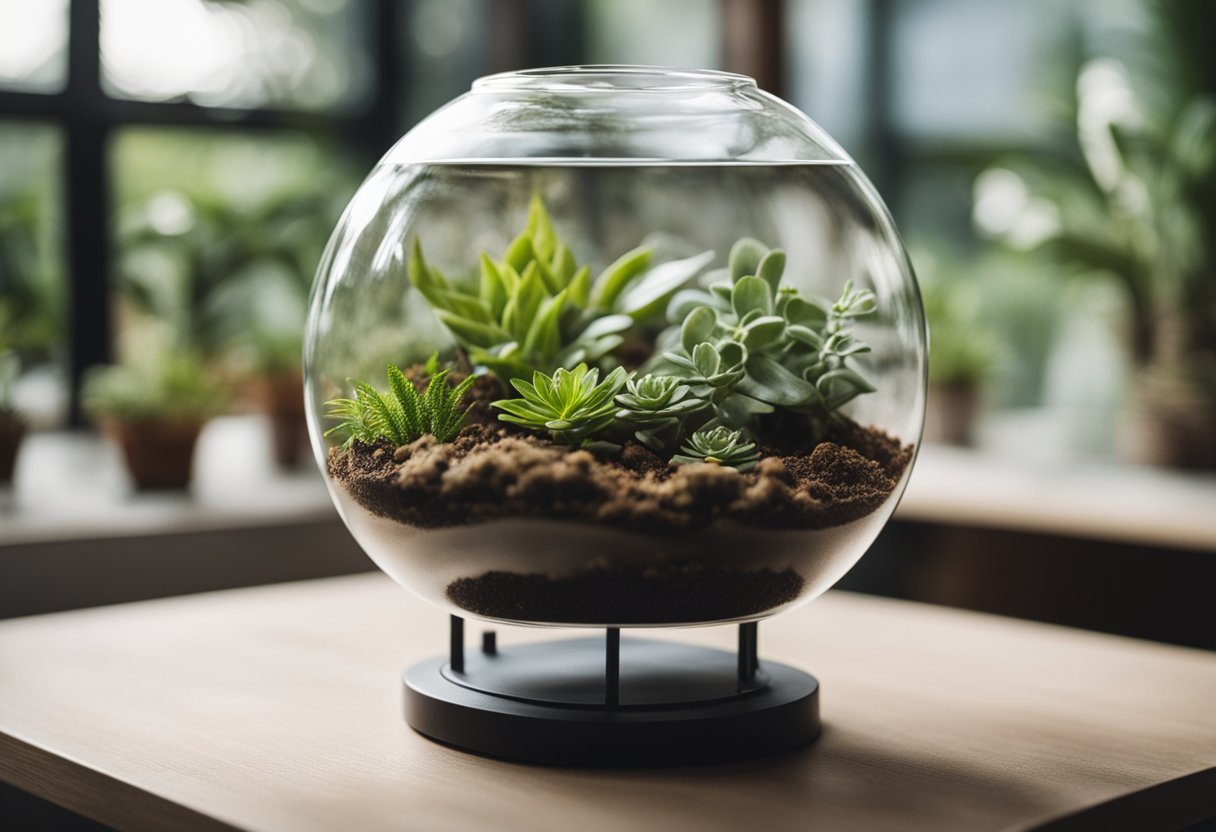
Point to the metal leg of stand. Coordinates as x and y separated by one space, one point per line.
612 668
456 645
749 659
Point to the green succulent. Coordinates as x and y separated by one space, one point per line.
719 446
572 405
402 414
536 309
774 348
658 407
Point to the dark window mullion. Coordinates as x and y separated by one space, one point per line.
87 194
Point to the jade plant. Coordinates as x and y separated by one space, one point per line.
401 414
740 355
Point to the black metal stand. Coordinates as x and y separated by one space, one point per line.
611 701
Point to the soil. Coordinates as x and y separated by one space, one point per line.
493 471
673 595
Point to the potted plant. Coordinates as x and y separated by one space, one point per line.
155 411
240 283
12 425
1131 199
960 357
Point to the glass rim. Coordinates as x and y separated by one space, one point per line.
584 78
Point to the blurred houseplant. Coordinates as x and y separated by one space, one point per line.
155 410
12 426
31 310
960 357
1132 198
232 282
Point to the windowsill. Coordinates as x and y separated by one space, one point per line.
74 486
1074 498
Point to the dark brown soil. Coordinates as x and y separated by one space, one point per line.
493 472
653 596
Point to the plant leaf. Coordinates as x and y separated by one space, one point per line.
745 257
650 293
619 274
768 381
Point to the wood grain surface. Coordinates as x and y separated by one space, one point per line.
278 708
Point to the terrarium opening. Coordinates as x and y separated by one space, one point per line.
612 78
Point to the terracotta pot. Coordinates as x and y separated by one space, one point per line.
282 396
12 431
950 413
159 455
1172 425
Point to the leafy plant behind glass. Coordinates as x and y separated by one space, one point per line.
1132 196
31 298
536 309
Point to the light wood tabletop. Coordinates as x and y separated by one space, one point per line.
279 708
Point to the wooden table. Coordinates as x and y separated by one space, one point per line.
278 708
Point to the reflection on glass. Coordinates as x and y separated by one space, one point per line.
33 45
32 309
307 54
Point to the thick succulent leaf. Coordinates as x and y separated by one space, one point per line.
564 264
650 292
540 229
553 283
698 327
466 306
722 291
763 331
770 269
804 335
619 274
733 354
607 325
706 360
751 294
770 382
522 306
580 287
543 337
472 333
842 385
519 254
685 301
745 257
427 280
491 288
805 312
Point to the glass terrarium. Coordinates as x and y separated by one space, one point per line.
616 346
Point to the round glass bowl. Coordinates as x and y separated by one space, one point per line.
694 344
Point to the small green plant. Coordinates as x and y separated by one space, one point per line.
719 446
658 407
572 405
401 414
535 309
178 387
753 344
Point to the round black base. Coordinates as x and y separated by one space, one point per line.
676 704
